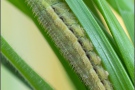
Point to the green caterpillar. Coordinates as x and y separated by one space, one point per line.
62 26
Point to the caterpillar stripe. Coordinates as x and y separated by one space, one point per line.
61 25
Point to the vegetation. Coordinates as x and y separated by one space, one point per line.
113 44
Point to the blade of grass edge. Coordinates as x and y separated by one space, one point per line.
32 77
125 8
122 41
12 70
97 17
117 74
95 14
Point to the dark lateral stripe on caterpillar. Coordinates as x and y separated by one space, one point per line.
62 26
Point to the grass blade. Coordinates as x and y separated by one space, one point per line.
100 22
126 9
33 78
110 60
123 43
10 68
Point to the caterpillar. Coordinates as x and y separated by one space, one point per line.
63 27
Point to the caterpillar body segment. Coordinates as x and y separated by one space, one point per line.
85 60
86 44
94 58
77 30
108 85
57 8
102 73
68 21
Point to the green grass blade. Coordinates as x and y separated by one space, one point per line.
123 43
125 8
33 78
100 22
12 70
117 74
